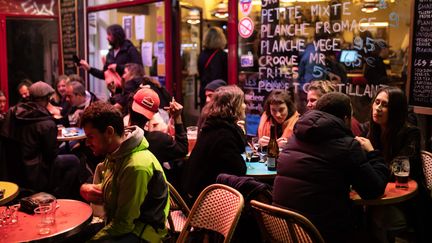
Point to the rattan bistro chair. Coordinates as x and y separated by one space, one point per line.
427 167
178 212
282 225
217 208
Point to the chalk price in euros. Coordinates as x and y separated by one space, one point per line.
422 63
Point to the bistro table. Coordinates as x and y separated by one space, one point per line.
71 217
11 191
392 195
71 134
259 170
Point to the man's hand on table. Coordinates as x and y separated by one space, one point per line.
92 193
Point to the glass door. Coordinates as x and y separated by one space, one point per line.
190 47
32 52
144 26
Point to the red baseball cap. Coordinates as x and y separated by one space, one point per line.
146 102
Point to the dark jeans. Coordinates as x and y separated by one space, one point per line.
65 176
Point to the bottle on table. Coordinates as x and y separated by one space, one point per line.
272 150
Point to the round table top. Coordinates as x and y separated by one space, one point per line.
71 134
259 170
11 191
391 195
71 217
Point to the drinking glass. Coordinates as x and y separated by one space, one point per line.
248 155
46 219
401 167
255 143
71 120
192 133
8 215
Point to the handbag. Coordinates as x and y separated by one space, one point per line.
210 58
30 203
112 79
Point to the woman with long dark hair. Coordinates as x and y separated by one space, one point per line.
389 131
220 141
391 134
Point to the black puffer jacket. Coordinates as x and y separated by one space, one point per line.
165 147
316 169
127 54
217 150
33 127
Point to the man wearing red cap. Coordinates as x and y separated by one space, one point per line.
144 107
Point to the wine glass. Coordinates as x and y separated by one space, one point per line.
248 154
255 143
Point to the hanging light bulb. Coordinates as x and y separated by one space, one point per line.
221 10
193 17
369 8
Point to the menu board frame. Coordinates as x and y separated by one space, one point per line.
67 57
421 109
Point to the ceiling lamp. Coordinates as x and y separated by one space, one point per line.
193 17
369 8
221 10
303 1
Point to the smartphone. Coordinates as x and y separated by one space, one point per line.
76 59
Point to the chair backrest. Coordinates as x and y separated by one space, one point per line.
176 204
282 225
247 229
427 167
217 208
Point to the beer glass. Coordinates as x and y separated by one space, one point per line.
192 133
400 167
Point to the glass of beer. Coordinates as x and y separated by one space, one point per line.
401 168
192 133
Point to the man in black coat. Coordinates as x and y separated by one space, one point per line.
122 51
33 129
320 162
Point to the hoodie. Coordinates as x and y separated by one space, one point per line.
135 191
33 128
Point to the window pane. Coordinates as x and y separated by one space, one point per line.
32 52
151 17
358 45
102 2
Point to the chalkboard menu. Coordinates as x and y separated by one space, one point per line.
421 55
69 36
359 46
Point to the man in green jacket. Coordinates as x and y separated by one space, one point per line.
133 191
